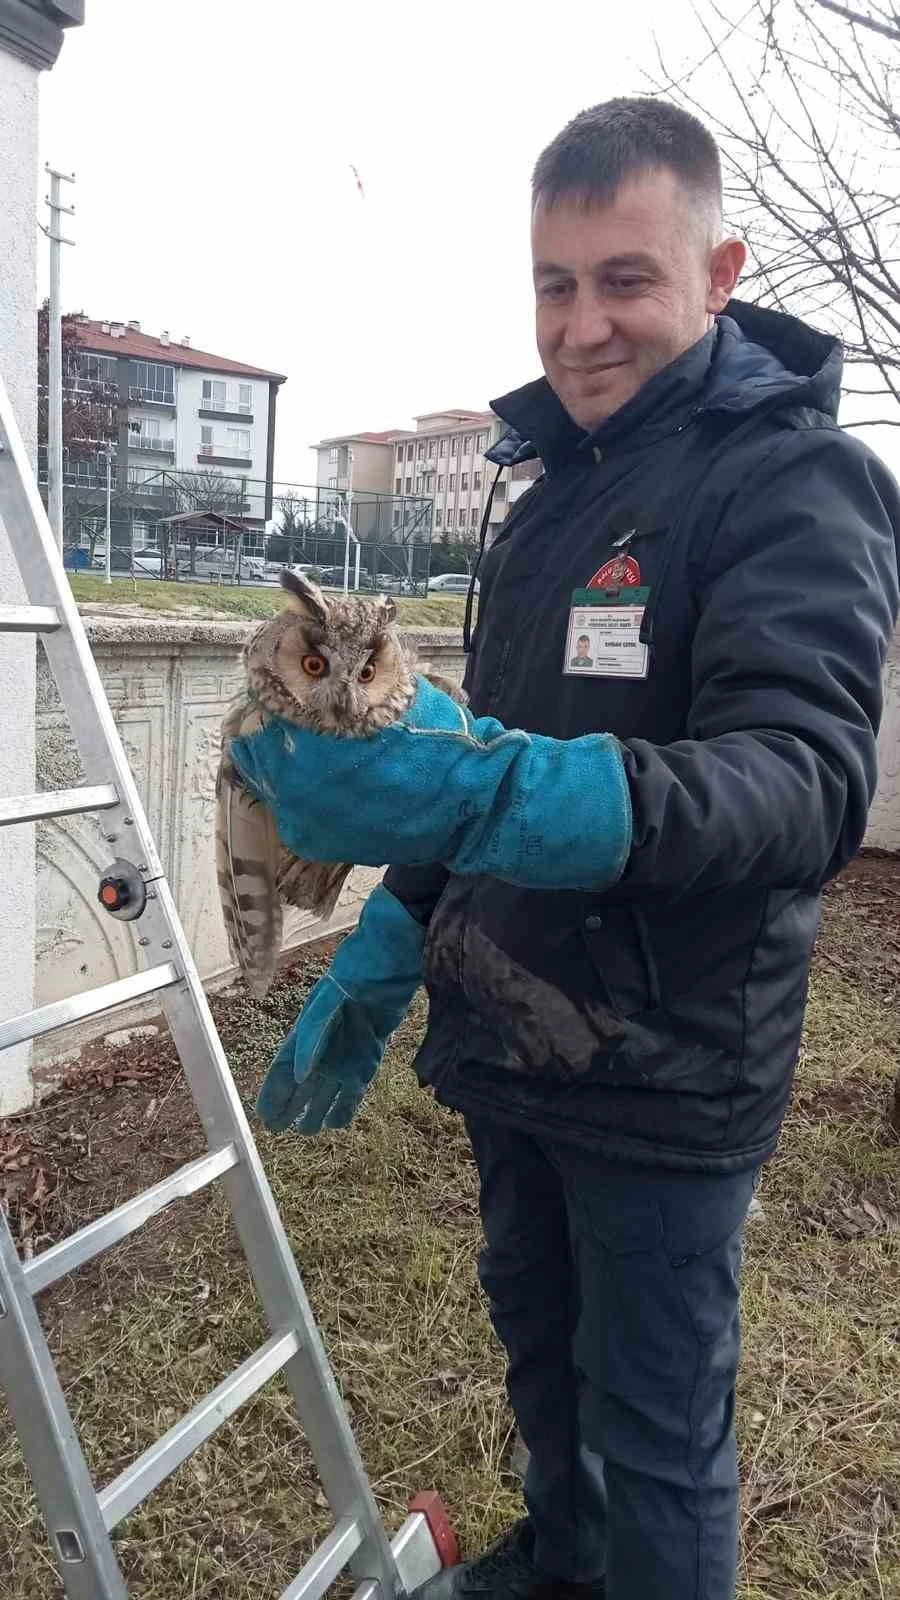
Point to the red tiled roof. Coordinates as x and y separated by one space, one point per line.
144 347
387 437
461 416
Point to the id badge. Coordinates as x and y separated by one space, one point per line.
603 638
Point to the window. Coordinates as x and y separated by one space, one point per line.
221 396
432 449
420 451
215 393
409 452
461 519
500 490
442 447
473 517
396 516
332 483
476 481
332 456
451 483
151 380
398 485
440 483
464 481
454 447
408 486
206 440
438 517
238 442
467 445
482 441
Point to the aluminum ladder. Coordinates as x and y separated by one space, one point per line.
80 1518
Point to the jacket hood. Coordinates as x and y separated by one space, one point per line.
752 360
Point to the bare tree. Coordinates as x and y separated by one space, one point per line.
811 145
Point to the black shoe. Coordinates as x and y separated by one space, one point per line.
505 1571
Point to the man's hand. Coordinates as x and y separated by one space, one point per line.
438 786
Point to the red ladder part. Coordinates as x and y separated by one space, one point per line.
430 1505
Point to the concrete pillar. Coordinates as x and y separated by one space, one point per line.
18 364
30 38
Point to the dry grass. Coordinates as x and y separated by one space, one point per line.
210 600
384 1224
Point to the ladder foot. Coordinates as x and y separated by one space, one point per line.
430 1505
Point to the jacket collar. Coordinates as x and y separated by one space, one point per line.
752 360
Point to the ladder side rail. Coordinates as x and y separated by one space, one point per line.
82 1547
67 649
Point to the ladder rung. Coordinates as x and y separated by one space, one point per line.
57 803
98 1236
59 1013
29 619
149 1471
328 1562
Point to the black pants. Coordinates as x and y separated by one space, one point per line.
615 1293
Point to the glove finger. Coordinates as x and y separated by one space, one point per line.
315 1110
344 1107
278 1090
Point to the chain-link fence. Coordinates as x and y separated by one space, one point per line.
205 526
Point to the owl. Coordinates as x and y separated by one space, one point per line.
337 666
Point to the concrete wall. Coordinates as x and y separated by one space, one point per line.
884 819
18 366
169 684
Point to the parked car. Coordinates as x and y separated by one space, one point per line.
450 583
147 563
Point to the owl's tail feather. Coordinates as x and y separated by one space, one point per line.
247 854
311 885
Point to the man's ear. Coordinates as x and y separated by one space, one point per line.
725 267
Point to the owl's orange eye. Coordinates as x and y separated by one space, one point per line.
368 672
314 666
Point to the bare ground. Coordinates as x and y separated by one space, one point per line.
384 1224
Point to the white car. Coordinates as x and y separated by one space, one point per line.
450 583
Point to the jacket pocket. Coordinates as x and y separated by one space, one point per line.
618 945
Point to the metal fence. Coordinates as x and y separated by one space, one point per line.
153 534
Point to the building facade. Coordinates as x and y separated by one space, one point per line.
441 460
189 425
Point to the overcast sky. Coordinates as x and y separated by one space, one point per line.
213 143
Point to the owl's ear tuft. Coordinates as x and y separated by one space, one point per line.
388 608
305 597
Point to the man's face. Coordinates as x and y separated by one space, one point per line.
623 289
582 647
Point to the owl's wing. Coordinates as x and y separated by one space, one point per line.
247 856
311 885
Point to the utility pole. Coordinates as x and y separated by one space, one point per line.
54 418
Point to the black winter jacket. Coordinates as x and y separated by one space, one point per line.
659 1022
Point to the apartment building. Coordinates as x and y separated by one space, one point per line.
442 460
180 411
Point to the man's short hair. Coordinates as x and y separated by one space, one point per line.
624 138
583 639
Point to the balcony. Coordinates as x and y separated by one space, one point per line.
224 455
140 442
147 396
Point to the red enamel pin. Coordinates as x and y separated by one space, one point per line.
622 572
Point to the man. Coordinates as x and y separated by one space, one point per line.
582 659
620 930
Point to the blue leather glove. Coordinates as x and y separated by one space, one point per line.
439 786
334 1049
